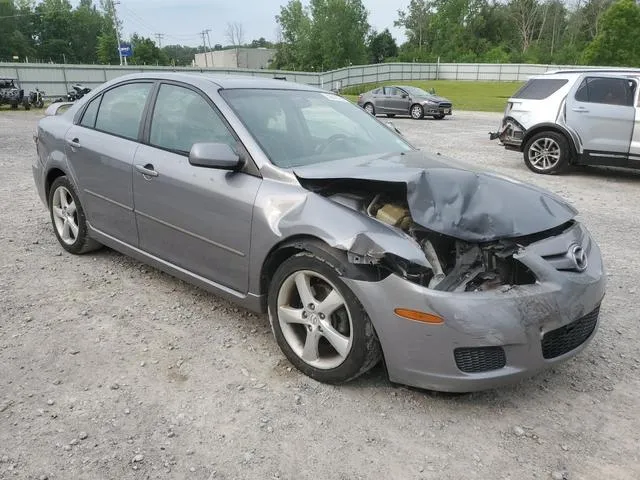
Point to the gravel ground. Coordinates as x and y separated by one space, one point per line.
110 369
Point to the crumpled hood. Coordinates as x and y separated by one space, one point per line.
458 202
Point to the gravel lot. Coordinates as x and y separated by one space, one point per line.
110 369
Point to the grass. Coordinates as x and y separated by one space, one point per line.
465 95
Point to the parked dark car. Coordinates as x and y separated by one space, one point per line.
11 94
395 100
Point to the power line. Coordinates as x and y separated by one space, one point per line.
159 38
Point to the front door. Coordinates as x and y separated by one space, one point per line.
194 217
101 148
601 111
398 101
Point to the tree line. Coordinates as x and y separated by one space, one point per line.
56 32
320 35
335 33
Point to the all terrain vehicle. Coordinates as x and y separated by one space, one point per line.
12 95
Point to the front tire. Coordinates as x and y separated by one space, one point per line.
416 111
68 218
319 324
547 153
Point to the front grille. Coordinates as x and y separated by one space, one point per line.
444 105
480 359
564 339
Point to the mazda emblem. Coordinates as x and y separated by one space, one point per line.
579 257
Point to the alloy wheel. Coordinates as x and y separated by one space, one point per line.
416 112
369 108
544 153
314 319
65 215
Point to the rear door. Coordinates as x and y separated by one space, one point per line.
100 149
600 109
634 151
194 217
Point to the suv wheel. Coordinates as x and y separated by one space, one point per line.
547 153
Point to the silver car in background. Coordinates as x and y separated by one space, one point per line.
392 100
358 246
575 117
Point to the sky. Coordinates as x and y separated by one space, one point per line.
181 20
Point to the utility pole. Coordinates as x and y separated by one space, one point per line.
115 25
204 44
159 37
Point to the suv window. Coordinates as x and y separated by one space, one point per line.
121 110
182 117
90 114
610 91
540 88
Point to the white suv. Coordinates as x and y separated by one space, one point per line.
580 117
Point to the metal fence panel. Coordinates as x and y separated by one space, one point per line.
56 80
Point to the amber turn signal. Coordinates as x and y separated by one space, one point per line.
418 316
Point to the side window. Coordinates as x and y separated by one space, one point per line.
181 117
90 114
377 91
582 94
610 91
391 91
121 109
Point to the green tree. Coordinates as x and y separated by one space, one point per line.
415 20
617 42
328 34
382 46
146 52
107 48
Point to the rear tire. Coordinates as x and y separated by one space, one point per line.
547 153
416 111
318 322
369 108
68 218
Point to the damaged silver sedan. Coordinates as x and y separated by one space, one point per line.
292 201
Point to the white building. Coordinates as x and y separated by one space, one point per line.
254 58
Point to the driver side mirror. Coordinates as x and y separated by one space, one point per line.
214 155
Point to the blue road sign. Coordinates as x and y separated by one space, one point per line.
126 50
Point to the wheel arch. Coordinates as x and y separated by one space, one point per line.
51 177
291 246
552 127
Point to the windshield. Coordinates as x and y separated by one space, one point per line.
416 92
297 128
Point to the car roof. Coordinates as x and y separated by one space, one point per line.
223 81
598 70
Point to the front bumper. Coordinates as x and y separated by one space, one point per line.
512 321
510 134
437 109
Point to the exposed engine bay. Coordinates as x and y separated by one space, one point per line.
456 265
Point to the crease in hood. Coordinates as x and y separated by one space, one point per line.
447 198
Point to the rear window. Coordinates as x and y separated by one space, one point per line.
540 88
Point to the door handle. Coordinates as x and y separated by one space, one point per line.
580 110
75 143
147 170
